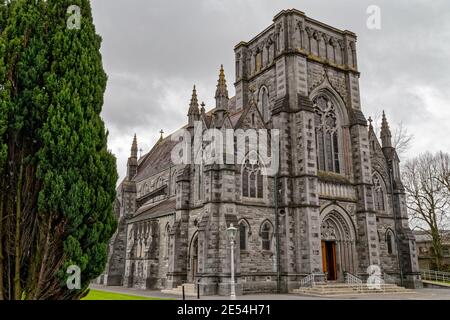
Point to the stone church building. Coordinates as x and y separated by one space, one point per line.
337 200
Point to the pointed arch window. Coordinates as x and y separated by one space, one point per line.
159 182
258 61
390 241
266 236
378 193
263 103
167 241
327 135
245 183
243 231
174 184
252 181
199 169
238 66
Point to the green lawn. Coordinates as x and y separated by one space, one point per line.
104 295
447 283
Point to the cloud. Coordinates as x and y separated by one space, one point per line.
154 51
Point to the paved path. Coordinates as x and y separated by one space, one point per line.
422 294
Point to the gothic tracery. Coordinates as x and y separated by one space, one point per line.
252 181
327 135
378 193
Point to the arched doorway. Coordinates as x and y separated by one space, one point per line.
338 245
193 257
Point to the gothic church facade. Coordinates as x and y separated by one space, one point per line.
337 200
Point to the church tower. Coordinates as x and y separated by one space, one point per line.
126 205
404 237
308 73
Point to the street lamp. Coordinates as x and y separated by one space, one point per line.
231 231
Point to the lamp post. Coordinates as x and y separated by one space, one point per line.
231 231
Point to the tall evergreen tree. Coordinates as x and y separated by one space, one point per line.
3 127
59 176
3 117
23 99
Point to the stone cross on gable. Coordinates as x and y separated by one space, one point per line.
370 122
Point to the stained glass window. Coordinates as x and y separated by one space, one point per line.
265 236
252 181
378 193
327 135
243 236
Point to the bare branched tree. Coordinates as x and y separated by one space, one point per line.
401 139
428 198
444 170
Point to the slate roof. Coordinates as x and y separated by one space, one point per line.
235 116
159 158
154 210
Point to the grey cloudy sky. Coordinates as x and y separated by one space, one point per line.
155 50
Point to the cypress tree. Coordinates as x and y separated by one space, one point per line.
59 176
24 62
79 174
3 113
3 127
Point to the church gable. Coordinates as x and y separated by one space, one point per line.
227 123
220 122
206 120
375 146
251 119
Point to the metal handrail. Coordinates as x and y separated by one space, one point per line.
353 280
438 276
308 281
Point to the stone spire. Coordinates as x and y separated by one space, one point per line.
134 148
194 111
193 106
222 91
132 160
386 136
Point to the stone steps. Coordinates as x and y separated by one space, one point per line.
189 290
338 289
352 289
